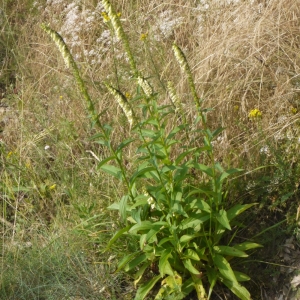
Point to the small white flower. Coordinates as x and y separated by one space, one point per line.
220 139
265 150
289 135
47 147
282 119
250 185
278 136
111 258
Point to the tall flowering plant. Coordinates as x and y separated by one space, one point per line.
178 222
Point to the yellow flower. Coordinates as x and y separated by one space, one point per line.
28 164
143 36
10 153
52 187
236 108
294 110
105 17
128 95
255 113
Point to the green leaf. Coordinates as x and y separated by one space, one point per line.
147 225
164 265
167 168
187 286
184 154
106 160
217 131
228 173
201 204
112 170
143 239
151 235
247 246
186 238
224 267
178 209
103 142
99 138
212 276
123 207
144 225
204 190
116 236
238 209
165 240
124 144
222 219
171 143
175 130
194 222
189 266
152 121
237 289
116 206
139 274
135 262
181 174
96 136
230 251
241 276
141 200
191 254
140 173
125 260
171 284
149 133
207 170
145 288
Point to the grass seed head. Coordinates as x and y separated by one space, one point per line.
124 104
145 85
58 40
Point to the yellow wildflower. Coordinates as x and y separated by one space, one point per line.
105 17
255 113
236 108
128 95
10 153
52 187
294 110
28 164
143 36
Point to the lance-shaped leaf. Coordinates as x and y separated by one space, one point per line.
146 287
112 170
164 265
229 251
222 219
